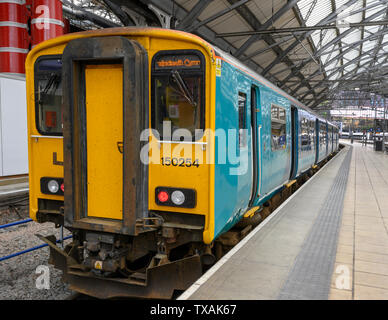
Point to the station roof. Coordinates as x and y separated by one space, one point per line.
312 49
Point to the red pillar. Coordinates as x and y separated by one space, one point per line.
46 20
14 38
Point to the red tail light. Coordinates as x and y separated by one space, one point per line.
163 196
63 187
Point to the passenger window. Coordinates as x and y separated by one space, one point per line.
305 134
312 131
48 95
322 134
242 118
278 128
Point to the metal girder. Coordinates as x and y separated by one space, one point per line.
193 14
345 33
79 12
378 48
301 29
255 24
215 16
342 67
350 48
341 80
323 95
324 21
338 39
302 64
362 32
370 70
205 32
269 47
124 18
335 41
360 57
290 4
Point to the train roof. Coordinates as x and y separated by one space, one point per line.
158 32
238 64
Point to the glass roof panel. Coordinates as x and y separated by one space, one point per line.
314 11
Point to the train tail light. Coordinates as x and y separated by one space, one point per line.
163 196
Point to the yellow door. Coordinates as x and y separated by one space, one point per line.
104 133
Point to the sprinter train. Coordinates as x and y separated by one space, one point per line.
149 145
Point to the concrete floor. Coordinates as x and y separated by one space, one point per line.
329 241
361 266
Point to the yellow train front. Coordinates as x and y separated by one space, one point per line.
103 164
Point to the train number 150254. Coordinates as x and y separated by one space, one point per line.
179 162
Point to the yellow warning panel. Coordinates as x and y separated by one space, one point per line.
104 130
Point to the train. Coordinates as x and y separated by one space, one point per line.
151 146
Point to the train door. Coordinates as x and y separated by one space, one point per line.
256 144
294 142
104 83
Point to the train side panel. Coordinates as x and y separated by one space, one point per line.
233 163
276 141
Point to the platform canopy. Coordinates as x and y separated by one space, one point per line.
312 49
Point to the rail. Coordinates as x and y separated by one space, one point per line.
30 249
3 226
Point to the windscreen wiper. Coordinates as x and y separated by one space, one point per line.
183 87
53 82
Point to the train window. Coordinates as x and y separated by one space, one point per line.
312 131
48 95
242 119
322 134
178 92
305 134
278 128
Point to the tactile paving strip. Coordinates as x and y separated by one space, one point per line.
310 276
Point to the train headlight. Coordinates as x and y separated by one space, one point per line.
53 186
178 198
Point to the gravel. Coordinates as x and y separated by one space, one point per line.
18 276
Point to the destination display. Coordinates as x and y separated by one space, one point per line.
190 61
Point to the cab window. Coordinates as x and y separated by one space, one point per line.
178 93
48 95
278 128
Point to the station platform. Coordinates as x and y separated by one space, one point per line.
15 186
329 240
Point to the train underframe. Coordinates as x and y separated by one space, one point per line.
166 259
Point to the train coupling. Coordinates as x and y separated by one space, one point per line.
159 281
103 254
